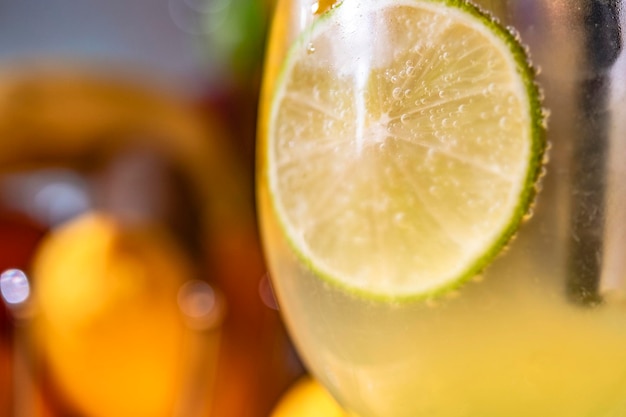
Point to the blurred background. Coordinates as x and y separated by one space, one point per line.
132 281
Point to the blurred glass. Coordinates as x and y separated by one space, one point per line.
126 135
114 308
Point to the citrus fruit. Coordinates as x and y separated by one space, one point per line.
110 328
307 398
404 141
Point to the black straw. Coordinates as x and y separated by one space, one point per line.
602 46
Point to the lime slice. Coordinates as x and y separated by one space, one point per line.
403 145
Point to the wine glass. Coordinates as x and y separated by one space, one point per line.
392 136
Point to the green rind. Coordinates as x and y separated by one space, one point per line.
538 139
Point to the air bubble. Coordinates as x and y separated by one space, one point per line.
451 295
431 303
396 93
545 114
310 48
529 214
478 278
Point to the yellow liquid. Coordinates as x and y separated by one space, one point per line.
510 344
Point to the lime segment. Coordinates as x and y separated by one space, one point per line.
404 143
